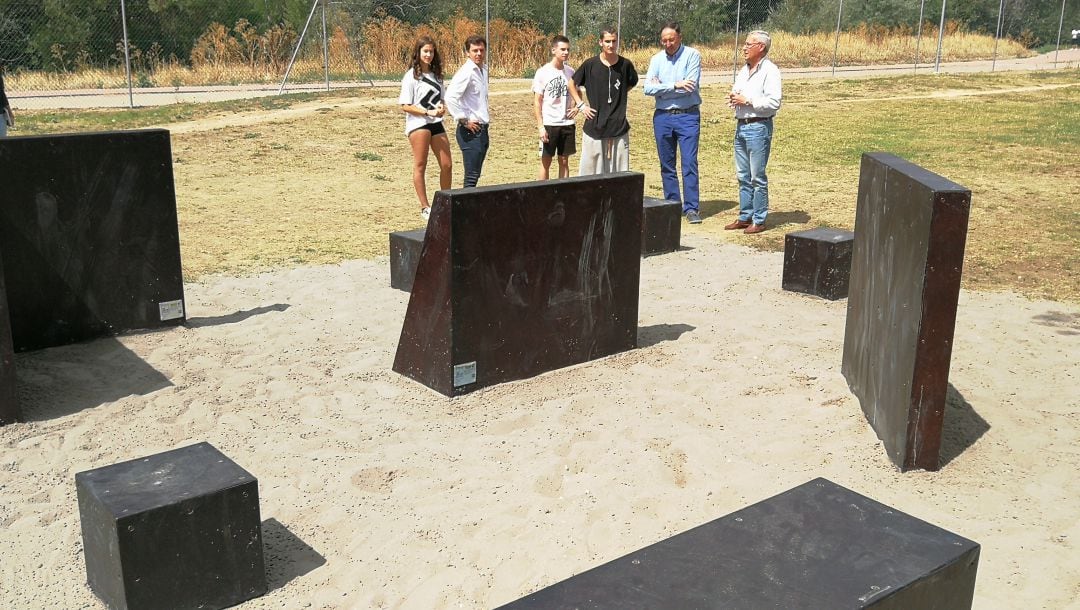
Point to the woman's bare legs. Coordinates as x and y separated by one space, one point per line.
420 140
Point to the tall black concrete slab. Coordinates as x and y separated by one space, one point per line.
9 405
89 237
907 260
816 546
520 279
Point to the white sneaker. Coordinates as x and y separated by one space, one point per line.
425 213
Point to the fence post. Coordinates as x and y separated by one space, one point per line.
325 47
127 53
299 41
564 2
836 45
940 36
1061 20
618 26
997 34
918 37
735 55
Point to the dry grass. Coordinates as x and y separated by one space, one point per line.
330 184
242 55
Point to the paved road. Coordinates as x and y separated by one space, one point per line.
118 98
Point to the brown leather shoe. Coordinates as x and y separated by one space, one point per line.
738 224
750 230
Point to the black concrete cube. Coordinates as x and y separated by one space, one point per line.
661 226
818 545
405 248
818 262
178 529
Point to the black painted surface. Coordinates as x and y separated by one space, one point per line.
907 260
179 529
816 546
9 403
818 262
88 234
661 226
405 247
516 280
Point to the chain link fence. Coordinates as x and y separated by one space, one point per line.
58 47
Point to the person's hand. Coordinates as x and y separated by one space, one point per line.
573 112
589 112
686 85
473 126
737 99
543 134
440 110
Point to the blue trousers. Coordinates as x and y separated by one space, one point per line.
678 132
474 147
753 142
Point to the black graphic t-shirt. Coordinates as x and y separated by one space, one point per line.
607 89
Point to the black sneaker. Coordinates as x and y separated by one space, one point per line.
693 217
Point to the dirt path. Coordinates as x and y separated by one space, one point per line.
311 108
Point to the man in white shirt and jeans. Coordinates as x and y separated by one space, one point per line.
755 97
554 87
467 101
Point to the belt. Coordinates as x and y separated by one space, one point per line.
754 119
690 110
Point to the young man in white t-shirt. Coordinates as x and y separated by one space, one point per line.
554 88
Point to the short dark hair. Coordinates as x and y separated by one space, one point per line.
671 25
608 29
556 39
475 40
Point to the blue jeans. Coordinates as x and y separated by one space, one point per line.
681 130
753 141
474 147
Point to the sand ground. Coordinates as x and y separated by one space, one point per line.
378 493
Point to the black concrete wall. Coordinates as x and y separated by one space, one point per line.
9 406
520 279
907 259
88 235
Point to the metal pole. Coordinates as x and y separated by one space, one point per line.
618 28
325 47
735 55
940 36
997 34
918 37
564 2
487 33
299 41
1061 20
127 53
836 45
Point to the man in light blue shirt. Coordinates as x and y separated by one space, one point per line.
673 80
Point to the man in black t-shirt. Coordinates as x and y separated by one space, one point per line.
607 80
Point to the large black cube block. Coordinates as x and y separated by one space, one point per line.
89 236
818 262
816 546
520 279
9 406
178 529
405 247
661 226
906 263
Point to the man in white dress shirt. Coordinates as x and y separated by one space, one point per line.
755 97
467 101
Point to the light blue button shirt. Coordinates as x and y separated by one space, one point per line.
684 65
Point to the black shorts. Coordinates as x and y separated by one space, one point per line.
434 128
561 141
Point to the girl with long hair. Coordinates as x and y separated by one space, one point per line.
422 100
